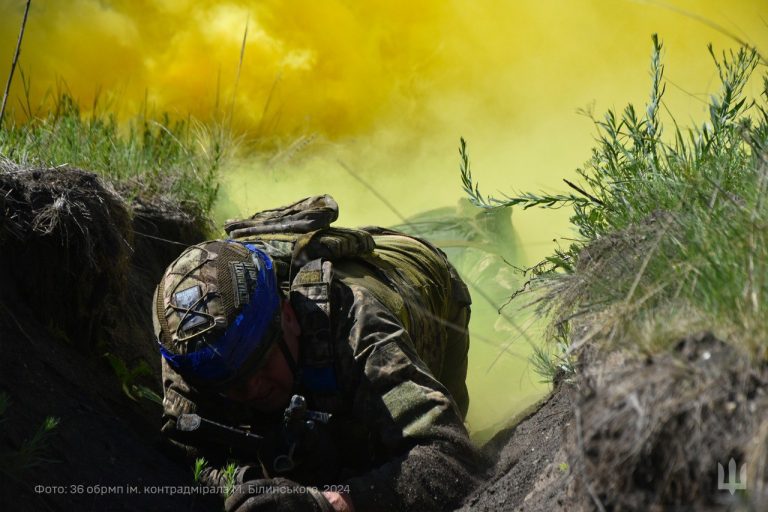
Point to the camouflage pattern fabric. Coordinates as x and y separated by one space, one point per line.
399 357
424 291
300 217
179 323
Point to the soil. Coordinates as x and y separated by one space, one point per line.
69 254
638 432
526 456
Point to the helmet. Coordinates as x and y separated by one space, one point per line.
217 311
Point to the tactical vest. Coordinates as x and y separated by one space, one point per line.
395 268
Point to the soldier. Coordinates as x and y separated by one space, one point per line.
344 350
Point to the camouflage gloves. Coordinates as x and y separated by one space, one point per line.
217 477
276 495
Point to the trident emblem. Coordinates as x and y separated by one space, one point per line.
736 482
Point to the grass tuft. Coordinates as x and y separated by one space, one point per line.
128 377
147 158
672 227
230 478
200 464
31 453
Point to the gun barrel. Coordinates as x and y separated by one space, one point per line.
219 433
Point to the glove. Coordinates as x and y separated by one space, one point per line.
215 477
276 495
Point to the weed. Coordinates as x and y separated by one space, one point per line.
128 377
30 453
200 464
665 223
553 361
230 472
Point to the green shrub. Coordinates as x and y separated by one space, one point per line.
672 229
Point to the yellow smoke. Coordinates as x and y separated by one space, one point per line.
387 88
341 68
392 85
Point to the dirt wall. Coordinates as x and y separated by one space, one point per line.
77 270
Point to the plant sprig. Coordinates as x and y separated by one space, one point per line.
680 219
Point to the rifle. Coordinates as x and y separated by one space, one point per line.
298 435
241 440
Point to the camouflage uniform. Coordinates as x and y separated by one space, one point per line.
396 391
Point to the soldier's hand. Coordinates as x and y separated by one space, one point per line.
276 495
218 478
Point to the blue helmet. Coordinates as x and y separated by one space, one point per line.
217 311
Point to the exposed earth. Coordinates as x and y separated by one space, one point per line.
78 265
71 258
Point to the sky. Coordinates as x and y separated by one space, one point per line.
366 99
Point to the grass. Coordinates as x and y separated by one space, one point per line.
148 158
672 227
553 361
197 471
128 376
31 452
230 475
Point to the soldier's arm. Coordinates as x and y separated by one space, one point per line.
431 463
179 399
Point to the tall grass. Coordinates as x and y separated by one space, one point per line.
147 158
672 228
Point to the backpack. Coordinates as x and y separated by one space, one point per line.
397 269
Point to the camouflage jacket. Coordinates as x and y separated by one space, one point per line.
396 435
